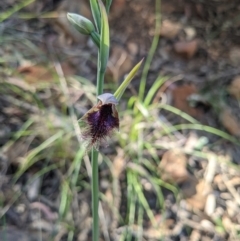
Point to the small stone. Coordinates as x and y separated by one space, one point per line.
186 49
190 33
195 236
170 29
133 48
210 204
206 224
172 167
232 208
226 196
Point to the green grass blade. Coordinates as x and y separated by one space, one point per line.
131 203
140 222
14 9
178 112
74 169
65 199
144 202
44 171
22 132
157 84
200 127
151 52
119 92
30 160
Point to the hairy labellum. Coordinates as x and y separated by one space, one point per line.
100 121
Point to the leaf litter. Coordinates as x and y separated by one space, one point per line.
205 175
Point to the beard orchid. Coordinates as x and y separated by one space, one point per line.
100 121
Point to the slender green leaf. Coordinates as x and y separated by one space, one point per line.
104 38
157 84
131 204
140 222
143 201
209 129
119 92
74 169
66 198
151 52
30 159
96 14
177 112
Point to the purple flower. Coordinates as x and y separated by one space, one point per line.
100 121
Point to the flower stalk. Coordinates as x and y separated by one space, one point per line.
103 55
102 119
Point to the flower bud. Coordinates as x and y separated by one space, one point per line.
82 24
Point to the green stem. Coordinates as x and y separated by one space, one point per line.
151 51
95 195
94 158
103 55
100 77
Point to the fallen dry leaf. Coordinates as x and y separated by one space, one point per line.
172 167
195 9
188 187
230 122
202 189
117 8
235 181
180 96
234 87
167 7
21 84
170 29
218 180
186 49
34 74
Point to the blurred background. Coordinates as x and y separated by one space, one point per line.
172 171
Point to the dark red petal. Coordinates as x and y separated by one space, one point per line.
100 121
